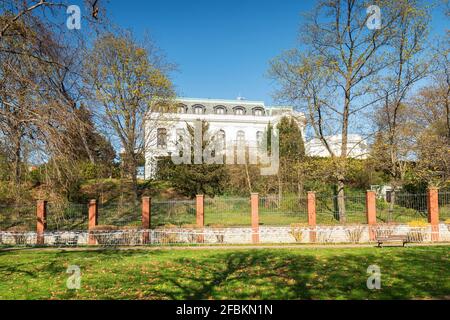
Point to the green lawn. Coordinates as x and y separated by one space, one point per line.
301 273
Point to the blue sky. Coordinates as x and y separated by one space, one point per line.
222 48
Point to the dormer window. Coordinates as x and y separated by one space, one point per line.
258 112
220 110
239 111
181 108
199 109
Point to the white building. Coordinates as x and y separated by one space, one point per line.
356 147
233 120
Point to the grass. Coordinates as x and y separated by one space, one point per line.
303 273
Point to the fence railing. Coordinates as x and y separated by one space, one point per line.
444 206
174 212
230 212
285 210
65 216
18 217
222 212
331 211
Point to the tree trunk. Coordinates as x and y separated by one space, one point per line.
341 200
280 188
391 205
17 162
249 182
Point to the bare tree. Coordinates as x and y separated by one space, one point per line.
129 83
396 133
331 80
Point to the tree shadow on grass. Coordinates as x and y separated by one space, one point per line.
406 273
258 274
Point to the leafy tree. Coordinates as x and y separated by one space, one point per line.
128 79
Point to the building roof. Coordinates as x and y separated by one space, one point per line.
230 105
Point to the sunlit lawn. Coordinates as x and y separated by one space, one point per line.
330 273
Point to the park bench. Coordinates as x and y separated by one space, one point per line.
392 238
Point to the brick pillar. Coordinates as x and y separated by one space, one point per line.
200 203
311 206
146 218
93 215
433 212
371 211
254 202
41 221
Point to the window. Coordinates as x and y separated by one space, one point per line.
221 137
181 108
258 112
199 109
240 137
161 139
220 110
259 138
239 111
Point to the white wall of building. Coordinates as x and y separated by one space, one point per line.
229 122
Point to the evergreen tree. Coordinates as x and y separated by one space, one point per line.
193 179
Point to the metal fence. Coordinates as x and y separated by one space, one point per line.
329 211
119 214
402 208
173 212
286 210
66 216
20 218
444 206
227 212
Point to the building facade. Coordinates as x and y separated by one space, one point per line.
232 120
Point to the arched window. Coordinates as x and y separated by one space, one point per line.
258 112
161 138
240 136
239 111
222 138
220 110
181 108
259 138
198 109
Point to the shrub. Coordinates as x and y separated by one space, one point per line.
192 236
354 234
18 233
102 234
219 232
417 231
297 230
418 224
167 234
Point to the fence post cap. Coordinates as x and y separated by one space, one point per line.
92 201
